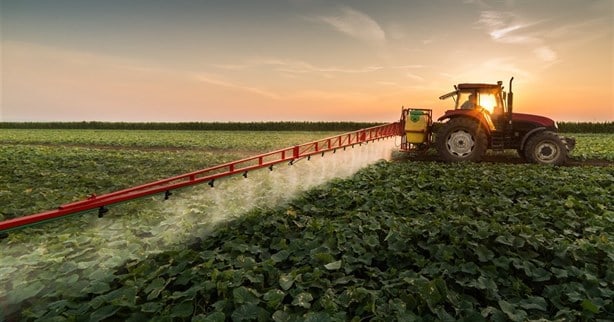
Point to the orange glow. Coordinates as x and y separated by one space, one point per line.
488 102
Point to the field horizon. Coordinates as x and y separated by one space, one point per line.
567 126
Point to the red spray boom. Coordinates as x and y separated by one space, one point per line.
208 175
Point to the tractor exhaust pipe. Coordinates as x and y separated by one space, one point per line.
510 99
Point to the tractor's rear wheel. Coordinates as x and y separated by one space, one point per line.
461 139
546 148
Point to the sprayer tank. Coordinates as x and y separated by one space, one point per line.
416 125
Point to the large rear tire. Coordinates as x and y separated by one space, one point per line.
546 148
461 139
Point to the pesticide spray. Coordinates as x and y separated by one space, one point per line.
43 260
265 188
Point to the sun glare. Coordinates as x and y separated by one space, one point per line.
488 102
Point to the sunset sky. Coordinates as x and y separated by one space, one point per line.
299 60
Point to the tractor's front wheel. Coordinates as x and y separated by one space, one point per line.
461 139
546 148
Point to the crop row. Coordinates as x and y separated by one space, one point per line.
594 146
399 240
195 126
41 169
589 145
575 127
212 140
38 178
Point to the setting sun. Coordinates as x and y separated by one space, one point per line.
487 101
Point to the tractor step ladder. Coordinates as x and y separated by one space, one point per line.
497 140
498 137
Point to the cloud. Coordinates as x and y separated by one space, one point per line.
506 27
546 54
293 66
212 80
503 27
296 67
356 25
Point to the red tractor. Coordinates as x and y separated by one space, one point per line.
483 119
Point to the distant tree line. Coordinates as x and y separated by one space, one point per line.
567 127
194 126
586 127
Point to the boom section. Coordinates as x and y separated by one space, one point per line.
208 175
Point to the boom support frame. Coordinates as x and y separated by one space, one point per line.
208 175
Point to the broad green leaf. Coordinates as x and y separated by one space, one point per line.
303 299
323 257
97 287
590 306
246 312
371 240
154 288
152 307
484 254
512 312
280 256
104 312
243 295
333 265
182 310
534 303
26 291
281 316
286 281
317 317
214 317
274 297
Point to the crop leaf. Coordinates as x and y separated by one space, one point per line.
303 299
213 317
512 312
286 281
248 312
27 291
104 312
152 307
484 254
280 256
590 306
244 295
534 303
332 266
182 310
274 297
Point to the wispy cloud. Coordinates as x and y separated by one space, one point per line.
506 27
293 66
213 80
355 24
296 67
545 54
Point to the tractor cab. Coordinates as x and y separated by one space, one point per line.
486 96
481 101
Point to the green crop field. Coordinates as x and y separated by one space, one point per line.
398 240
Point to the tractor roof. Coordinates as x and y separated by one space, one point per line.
472 86
478 86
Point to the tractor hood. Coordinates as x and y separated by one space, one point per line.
535 119
518 118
